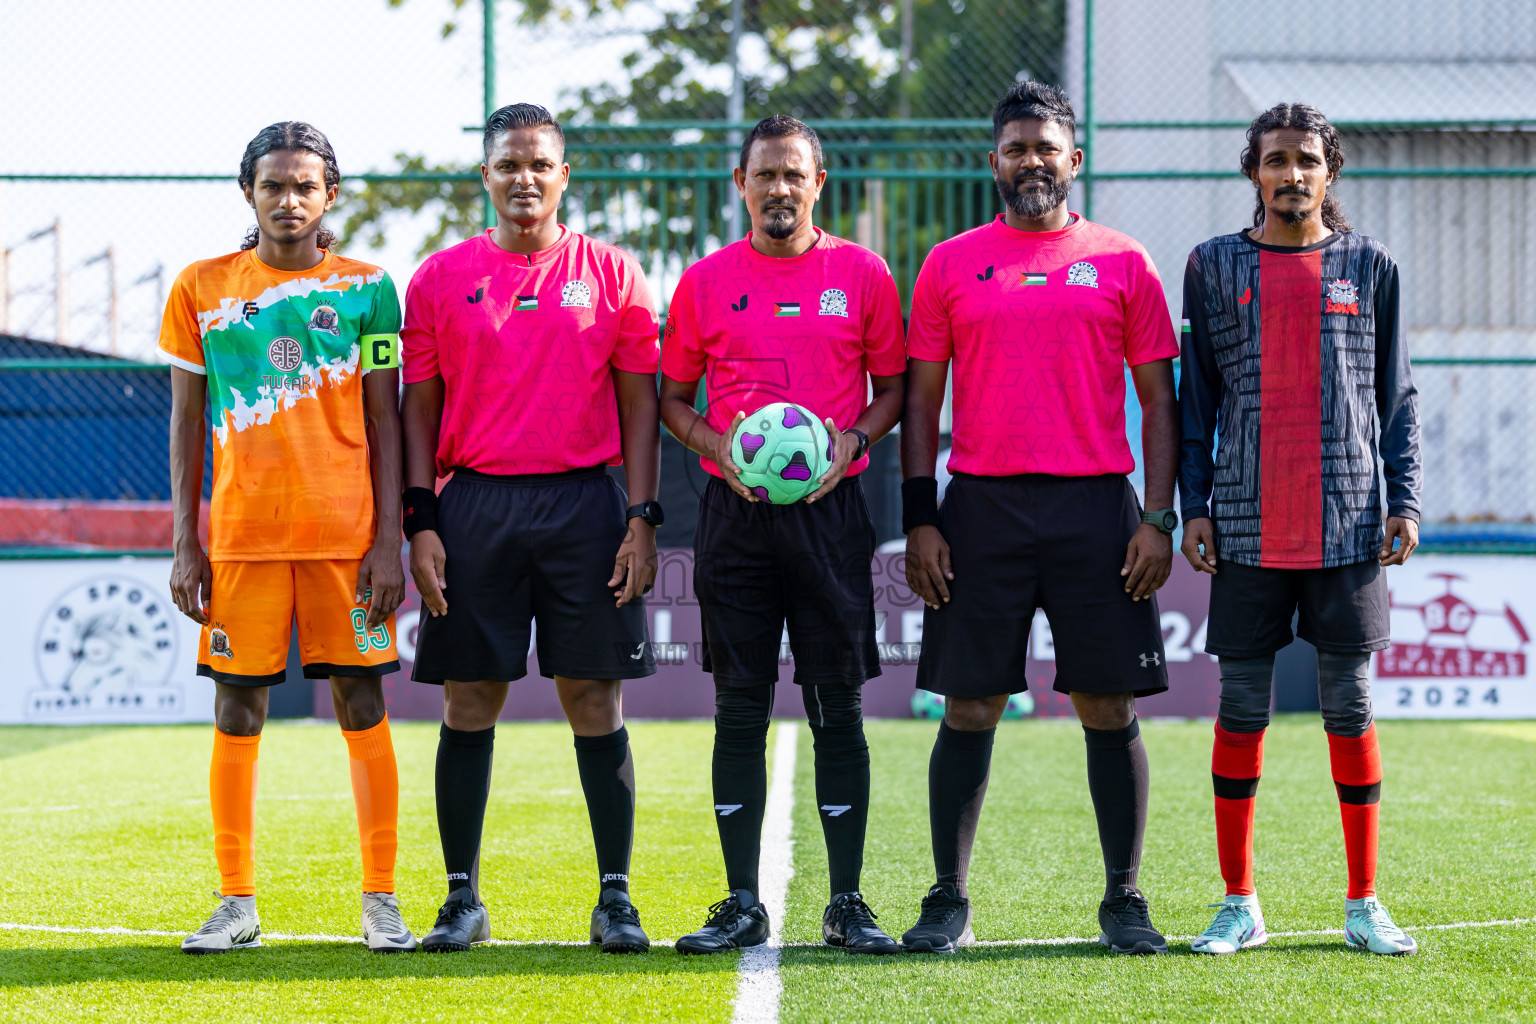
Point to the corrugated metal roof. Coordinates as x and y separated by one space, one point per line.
1415 91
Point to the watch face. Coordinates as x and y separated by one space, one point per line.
1170 520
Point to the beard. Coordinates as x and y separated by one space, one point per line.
1033 205
779 222
1293 216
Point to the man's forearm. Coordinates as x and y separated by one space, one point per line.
421 413
689 427
1160 451
188 438
383 425
640 443
880 416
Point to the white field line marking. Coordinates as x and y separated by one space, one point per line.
758 986
1066 940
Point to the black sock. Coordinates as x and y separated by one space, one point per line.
463 787
842 778
740 771
608 780
958 772
1117 781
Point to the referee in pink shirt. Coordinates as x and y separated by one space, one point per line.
530 355
1039 312
787 314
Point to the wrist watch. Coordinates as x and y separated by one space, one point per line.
650 511
863 447
1165 519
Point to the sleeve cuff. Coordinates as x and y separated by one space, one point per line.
1201 511
186 364
1402 512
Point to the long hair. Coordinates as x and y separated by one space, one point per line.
289 136
1302 118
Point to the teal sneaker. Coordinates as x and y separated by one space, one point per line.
1239 924
1367 925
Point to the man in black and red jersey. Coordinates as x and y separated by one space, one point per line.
1294 354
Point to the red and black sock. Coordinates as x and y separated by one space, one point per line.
1237 762
1356 763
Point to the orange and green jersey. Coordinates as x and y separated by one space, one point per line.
284 353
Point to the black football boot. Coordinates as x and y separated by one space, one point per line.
616 924
849 924
462 922
736 921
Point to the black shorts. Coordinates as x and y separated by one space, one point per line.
532 548
759 569
1341 610
1017 543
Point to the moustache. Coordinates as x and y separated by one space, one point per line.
1294 190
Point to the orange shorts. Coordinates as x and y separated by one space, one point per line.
254 606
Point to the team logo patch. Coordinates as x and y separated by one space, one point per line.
834 302
218 644
1083 273
741 305
285 354
249 310
324 318
1343 297
576 293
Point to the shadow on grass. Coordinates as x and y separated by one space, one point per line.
322 961
825 957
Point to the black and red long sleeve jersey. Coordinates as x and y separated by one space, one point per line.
1294 359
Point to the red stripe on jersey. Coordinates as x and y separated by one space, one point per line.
1291 410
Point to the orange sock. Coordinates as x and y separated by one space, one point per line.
1356 763
232 793
376 791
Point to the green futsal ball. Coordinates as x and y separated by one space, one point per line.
1020 705
783 450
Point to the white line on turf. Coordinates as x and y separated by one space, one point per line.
1066 940
758 986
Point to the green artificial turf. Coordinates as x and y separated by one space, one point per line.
109 827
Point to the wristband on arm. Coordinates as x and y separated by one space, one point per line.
919 503
420 505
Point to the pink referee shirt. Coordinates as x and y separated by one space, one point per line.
805 330
1040 325
526 346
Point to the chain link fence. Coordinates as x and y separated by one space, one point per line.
1437 103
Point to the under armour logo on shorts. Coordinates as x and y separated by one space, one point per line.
1150 660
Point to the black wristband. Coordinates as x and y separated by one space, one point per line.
420 504
919 503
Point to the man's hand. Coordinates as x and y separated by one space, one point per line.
1406 531
1199 533
843 447
192 582
1148 560
728 467
927 564
428 563
634 567
380 581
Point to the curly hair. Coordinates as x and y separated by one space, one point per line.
293 137
1302 118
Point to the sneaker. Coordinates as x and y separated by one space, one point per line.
234 925
616 924
944 924
1239 924
736 921
849 924
1125 923
462 922
383 929
1367 925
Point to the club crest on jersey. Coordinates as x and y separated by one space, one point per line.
1343 297
218 644
576 293
1083 273
834 302
324 318
285 354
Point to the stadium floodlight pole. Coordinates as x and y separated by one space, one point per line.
737 108
109 256
488 57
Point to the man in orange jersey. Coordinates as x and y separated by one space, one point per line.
298 351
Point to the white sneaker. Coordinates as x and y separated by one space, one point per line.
383 929
234 925
1367 925
1239 924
